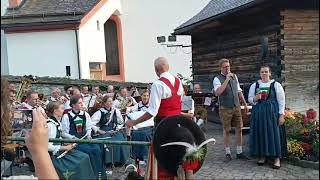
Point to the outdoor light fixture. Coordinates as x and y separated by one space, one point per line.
161 39
172 38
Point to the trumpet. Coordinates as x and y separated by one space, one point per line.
42 104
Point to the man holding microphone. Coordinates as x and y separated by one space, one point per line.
227 88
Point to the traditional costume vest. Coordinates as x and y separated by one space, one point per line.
168 107
172 105
77 124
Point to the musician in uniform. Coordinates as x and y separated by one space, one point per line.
75 162
110 91
165 101
68 92
75 92
77 124
124 100
88 98
197 88
56 96
141 133
187 104
108 122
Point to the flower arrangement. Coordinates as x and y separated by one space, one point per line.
295 148
303 134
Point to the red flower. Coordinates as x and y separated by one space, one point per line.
191 165
307 147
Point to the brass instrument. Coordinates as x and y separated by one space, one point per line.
24 86
42 104
97 104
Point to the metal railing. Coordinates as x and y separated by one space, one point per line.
86 141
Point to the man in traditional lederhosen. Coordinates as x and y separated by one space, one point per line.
165 101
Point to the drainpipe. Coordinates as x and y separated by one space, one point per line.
78 56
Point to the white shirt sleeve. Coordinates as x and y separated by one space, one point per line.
133 108
95 118
252 94
280 97
116 104
238 84
134 102
52 134
216 83
119 119
89 125
155 99
65 125
192 108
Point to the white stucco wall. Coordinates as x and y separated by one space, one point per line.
142 22
42 53
91 40
4 58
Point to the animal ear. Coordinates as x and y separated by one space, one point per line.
206 142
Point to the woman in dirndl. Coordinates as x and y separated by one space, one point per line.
108 122
77 124
75 164
267 132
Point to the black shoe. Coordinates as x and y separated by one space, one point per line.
242 156
261 163
228 158
275 167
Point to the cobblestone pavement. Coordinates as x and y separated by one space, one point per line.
215 168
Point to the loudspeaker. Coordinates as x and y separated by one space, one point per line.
68 71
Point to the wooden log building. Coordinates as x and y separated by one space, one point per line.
281 33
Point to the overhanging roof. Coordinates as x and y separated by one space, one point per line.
214 10
46 12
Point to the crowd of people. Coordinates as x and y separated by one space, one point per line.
87 113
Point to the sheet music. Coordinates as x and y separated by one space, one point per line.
135 115
186 103
207 101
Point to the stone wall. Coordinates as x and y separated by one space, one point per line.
46 84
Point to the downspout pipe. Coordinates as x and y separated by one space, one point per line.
78 56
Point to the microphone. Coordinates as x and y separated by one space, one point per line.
232 75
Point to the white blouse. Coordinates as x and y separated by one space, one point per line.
52 134
279 93
97 116
65 124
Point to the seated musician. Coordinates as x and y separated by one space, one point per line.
187 104
108 122
87 97
201 112
56 96
110 91
124 100
95 100
142 133
68 92
32 100
77 124
75 92
197 88
12 99
76 162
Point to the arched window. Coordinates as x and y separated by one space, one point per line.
111 47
